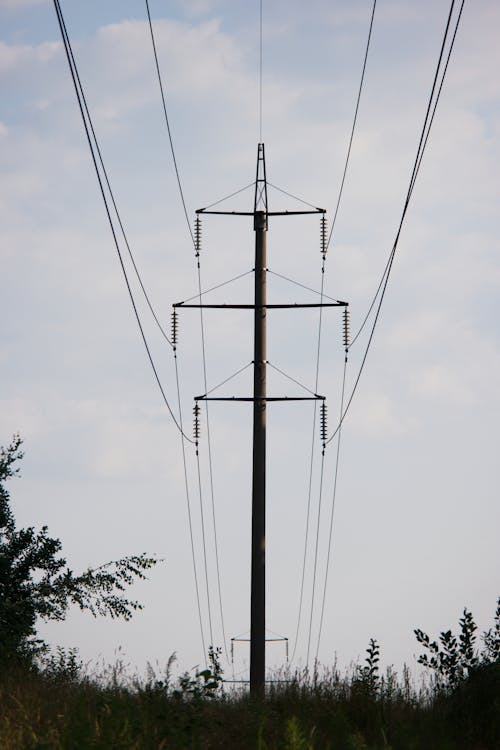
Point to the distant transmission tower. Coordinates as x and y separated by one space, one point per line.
260 399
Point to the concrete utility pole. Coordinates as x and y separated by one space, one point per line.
258 582
260 399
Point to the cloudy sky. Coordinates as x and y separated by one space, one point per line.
417 513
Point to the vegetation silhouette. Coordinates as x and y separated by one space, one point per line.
36 582
49 700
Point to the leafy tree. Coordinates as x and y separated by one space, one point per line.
455 658
35 581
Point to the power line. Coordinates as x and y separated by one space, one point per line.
167 123
210 465
318 356
423 144
188 503
260 73
428 120
316 548
330 534
353 125
111 193
80 98
203 535
203 356
311 464
383 284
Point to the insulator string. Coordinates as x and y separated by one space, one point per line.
196 424
197 236
324 236
323 423
346 329
174 328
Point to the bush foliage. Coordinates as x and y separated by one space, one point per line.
36 582
48 701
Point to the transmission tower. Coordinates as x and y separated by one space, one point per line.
260 400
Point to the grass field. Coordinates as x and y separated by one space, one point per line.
61 708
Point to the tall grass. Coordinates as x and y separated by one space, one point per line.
59 708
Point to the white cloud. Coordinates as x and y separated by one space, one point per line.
13 56
377 415
444 384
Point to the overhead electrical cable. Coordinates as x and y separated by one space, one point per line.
310 481
316 549
341 189
210 467
188 503
416 167
168 123
203 347
330 532
111 193
414 174
203 535
383 285
79 96
260 73
317 370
